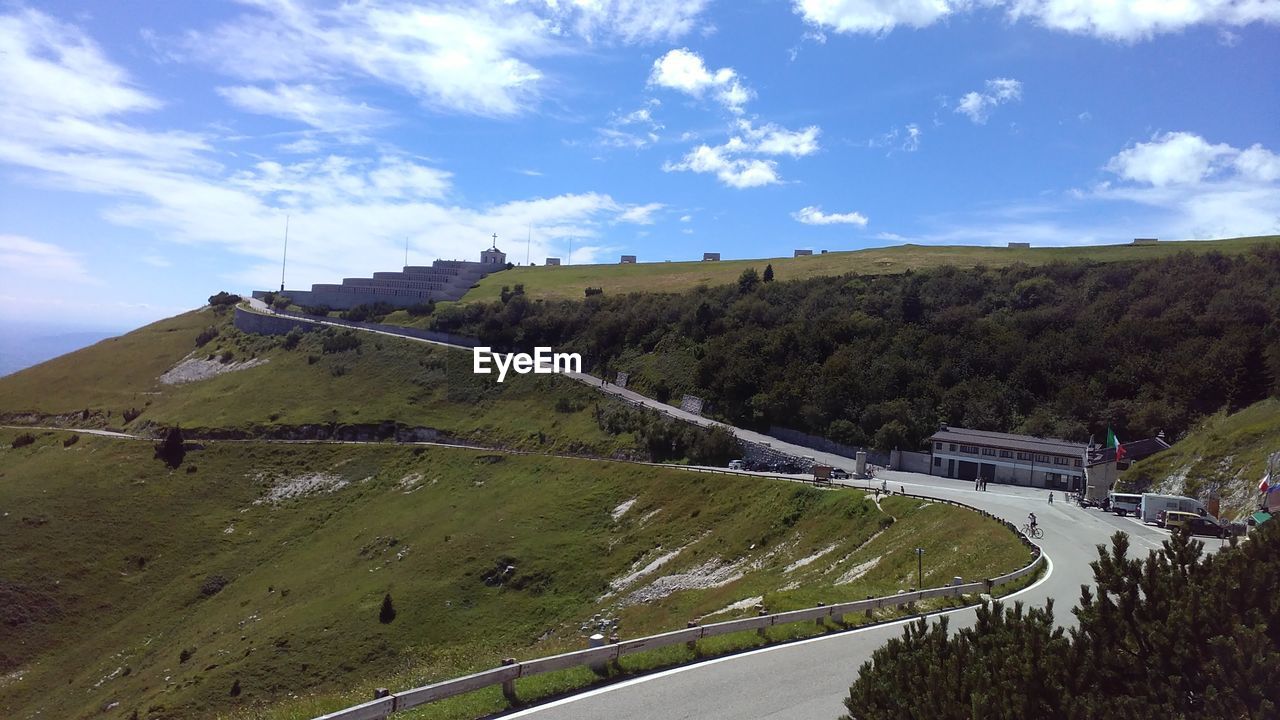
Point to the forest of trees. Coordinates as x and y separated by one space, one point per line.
1181 634
1059 350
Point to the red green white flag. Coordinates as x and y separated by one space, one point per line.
1114 442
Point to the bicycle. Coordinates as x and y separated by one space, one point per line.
1033 532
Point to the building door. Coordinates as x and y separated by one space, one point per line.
987 472
968 470
951 467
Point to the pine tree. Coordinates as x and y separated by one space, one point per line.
388 612
768 273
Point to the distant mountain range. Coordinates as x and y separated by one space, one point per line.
23 346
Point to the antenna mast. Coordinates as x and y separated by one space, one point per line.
285 259
569 260
528 242
406 251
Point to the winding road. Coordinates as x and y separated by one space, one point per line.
810 679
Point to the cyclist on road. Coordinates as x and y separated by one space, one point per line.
1031 520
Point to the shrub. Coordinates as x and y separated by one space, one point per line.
313 359
71 441
223 299
388 611
281 302
131 414
23 440
292 339
318 310
341 343
213 585
226 357
374 312
185 655
235 688
338 370
593 291
269 298
172 449
768 273
421 309
748 280
206 335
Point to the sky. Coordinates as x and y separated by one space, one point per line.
151 153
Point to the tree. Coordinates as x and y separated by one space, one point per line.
768 273
748 280
1177 634
388 611
171 450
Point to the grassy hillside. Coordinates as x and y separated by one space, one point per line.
569 282
383 379
125 586
1224 454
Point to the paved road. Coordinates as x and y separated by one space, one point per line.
811 678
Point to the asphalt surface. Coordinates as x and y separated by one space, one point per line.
810 679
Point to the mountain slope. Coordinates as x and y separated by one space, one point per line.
1223 455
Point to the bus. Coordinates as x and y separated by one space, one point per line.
1124 503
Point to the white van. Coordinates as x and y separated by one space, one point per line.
1153 504
1124 503
736 465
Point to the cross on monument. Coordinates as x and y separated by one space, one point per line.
495 241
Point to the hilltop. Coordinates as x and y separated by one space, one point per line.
571 281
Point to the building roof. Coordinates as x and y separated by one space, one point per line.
1134 450
1025 443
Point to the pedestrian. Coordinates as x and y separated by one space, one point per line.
975 484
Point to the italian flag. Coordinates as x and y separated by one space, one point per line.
1114 442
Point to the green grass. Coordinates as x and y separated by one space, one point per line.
1223 454
570 281
386 379
104 551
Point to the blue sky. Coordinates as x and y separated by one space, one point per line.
151 151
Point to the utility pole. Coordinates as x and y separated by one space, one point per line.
285 259
919 568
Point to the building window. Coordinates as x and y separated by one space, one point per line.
971 449
953 447
1077 462
937 446
1042 458
1006 454
989 451
1061 461
1024 456
937 462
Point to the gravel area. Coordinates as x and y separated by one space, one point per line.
194 370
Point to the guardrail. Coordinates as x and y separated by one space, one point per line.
508 673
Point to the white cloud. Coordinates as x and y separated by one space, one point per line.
1258 163
347 215
304 103
770 139
635 129
640 214
470 59
21 257
906 139
736 172
978 106
631 21
812 215
686 218
873 16
685 71
1172 158
1110 19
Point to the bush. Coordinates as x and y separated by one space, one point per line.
292 339
131 414
388 611
185 655
206 335
269 298
421 309
172 449
226 357
593 291
343 342
318 310
223 299
374 312
281 302
71 441
213 585
23 440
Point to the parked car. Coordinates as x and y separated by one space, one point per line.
838 474
1174 519
1206 526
